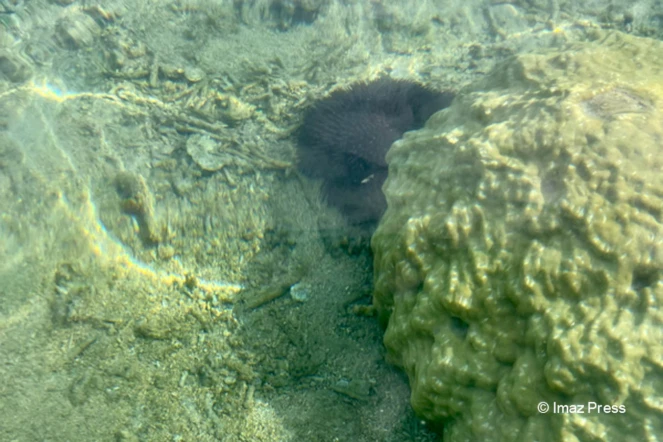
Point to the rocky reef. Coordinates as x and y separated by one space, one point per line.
520 259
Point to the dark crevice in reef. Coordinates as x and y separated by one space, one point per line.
345 137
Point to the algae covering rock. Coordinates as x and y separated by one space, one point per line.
520 261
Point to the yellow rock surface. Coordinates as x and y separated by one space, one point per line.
521 258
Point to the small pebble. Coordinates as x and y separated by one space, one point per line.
300 292
194 75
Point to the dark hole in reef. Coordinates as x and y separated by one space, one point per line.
583 171
459 327
643 278
345 137
292 12
592 140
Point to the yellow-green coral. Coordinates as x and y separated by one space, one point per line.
521 258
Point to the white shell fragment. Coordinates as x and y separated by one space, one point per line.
208 153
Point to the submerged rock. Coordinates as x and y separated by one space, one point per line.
520 261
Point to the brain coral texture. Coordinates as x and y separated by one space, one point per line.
520 260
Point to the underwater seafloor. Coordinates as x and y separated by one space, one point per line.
165 272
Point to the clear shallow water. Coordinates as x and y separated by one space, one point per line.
152 223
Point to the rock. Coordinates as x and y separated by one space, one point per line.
207 153
194 74
13 68
520 260
76 30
